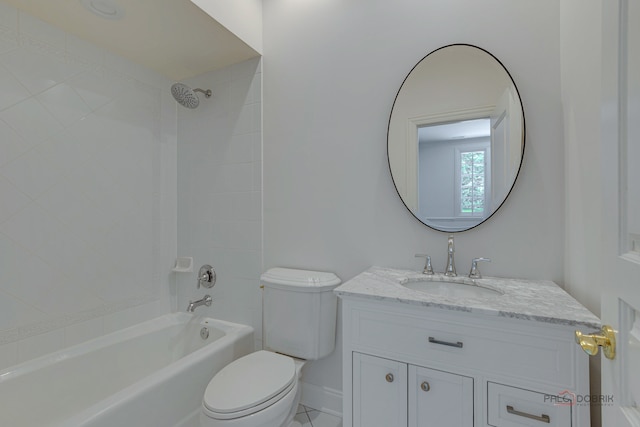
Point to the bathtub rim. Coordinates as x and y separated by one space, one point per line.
101 341
235 333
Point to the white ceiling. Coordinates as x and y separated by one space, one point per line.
173 37
455 131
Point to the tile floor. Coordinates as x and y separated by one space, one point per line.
308 417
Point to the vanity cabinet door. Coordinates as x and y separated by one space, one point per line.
439 399
379 392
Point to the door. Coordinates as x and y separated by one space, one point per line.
620 301
379 392
439 399
506 146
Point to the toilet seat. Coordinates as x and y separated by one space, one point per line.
249 384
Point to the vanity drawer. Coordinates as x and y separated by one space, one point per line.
515 407
428 339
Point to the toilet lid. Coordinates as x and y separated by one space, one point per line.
249 381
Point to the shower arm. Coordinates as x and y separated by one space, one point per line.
207 93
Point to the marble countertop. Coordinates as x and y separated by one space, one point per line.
535 300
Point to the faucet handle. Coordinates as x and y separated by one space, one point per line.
428 269
475 272
206 276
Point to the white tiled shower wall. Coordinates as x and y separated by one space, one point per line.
87 190
219 193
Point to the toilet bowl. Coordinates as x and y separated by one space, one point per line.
262 389
259 390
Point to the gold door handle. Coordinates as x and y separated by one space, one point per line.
605 339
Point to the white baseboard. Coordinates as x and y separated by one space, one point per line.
324 399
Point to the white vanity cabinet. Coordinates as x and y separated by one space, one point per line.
390 393
379 391
416 366
439 399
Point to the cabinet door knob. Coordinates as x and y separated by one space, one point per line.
425 386
389 378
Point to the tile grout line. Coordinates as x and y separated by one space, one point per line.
306 412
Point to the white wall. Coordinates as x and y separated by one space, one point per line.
87 190
219 193
581 23
242 18
331 71
581 69
436 179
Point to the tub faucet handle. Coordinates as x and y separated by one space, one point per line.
206 276
475 271
428 269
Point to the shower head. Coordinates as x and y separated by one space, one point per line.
186 96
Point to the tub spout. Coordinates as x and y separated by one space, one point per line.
207 300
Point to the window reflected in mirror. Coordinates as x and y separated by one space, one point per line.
454 155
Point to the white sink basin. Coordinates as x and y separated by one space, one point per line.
451 289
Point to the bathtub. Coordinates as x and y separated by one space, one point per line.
150 375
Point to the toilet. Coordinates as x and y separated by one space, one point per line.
262 389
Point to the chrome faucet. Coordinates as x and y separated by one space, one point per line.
451 265
428 269
475 271
207 300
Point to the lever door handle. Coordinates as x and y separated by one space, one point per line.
591 343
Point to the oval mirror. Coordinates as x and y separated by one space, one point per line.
456 138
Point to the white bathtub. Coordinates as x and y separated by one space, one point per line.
151 375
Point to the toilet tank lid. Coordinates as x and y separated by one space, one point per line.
299 280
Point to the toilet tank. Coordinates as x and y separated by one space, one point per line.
300 312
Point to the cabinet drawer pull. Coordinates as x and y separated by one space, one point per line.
543 418
450 344
425 386
389 378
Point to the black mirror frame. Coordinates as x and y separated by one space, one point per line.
524 137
